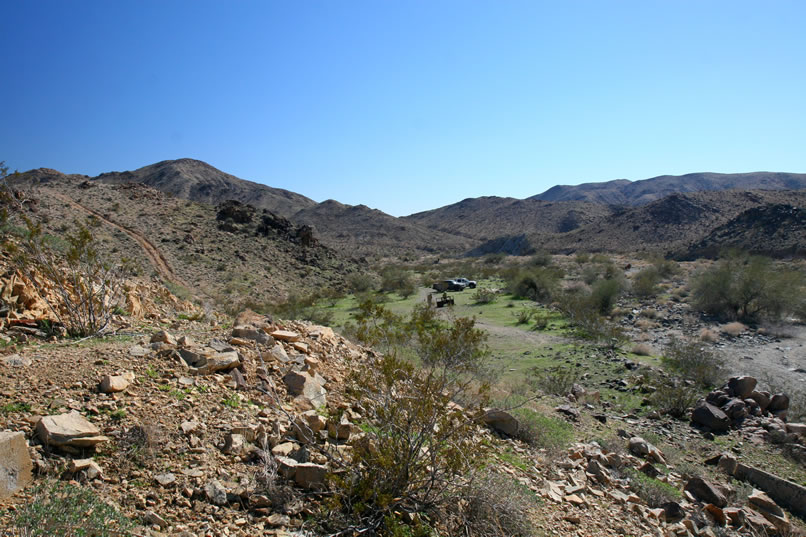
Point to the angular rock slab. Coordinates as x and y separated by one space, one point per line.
69 430
15 463
501 421
712 417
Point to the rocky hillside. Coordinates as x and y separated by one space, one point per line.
678 222
491 217
224 254
624 192
372 233
198 181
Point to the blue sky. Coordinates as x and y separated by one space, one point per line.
407 105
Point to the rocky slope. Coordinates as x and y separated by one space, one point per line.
223 254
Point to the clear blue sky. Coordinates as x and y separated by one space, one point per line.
406 105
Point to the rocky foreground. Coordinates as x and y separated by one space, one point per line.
195 428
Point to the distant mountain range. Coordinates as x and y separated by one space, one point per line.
624 192
674 215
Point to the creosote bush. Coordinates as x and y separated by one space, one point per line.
498 506
420 447
747 288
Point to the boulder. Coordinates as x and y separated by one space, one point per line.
221 361
116 383
303 384
640 447
216 493
705 491
69 430
762 399
779 401
163 337
735 409
797 428
762 502
708 415
246 332
309 475
340 430
88 466
15 463
501 421
15 360
727 463
742 387
286 335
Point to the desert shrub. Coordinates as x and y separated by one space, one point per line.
543 431
540 259
484 295
583 314
582 257
419 446
675 398
590 274
694 362
747 288
498 506
733 329
642 349
541 319
301 307
654 492
360 282
555 380
397 280
708 336
524 315
539 284
604 294
645 283
61 509
665 268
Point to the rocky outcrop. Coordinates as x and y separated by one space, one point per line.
15 463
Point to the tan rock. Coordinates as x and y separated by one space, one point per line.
116 383
68 430
15 463
286 335
163 337
309 475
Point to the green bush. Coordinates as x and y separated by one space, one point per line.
604 294
645 283
60 509
556 380
747 288
419 448
543 431
539 284
675 398
654 492
484 295
693 361
395 279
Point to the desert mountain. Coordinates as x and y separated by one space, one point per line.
198 181
370 232
624 192
491 217
675 223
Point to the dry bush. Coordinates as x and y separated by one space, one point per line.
733 329
708 336
498 506
644 324
778 330
675 398
642 349
649 313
